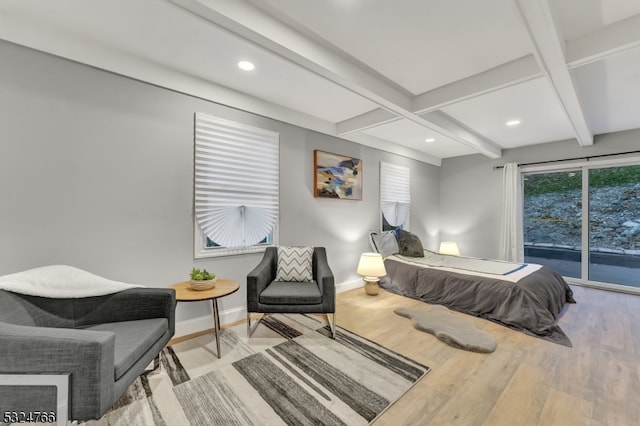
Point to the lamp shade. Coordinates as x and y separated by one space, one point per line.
371 265
448 247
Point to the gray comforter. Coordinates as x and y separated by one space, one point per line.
530 305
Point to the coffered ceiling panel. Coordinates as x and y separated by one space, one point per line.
405 132
410 42
610 90
578 18
531 103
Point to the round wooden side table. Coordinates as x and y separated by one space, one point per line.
223 287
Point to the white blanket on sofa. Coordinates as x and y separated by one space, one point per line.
61 281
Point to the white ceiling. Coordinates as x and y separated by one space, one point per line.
383 73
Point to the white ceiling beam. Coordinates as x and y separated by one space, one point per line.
446 125
365 121
548 50
500 77
253 25
385 145
608 41
464 133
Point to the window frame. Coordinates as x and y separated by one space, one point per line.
388 166
584 166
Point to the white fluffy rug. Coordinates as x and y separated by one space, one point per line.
449 328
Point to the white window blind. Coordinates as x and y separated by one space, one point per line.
395 194
236 181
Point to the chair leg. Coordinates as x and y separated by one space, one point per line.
250 328
331 319
149 368
156 362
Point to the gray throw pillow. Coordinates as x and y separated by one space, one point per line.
409 244
295 264
386 243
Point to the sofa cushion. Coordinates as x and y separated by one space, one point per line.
291 293
133 339
410 244
294 264
385 243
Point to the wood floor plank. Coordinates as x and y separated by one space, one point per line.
527 380
563 409
417 407
475 399
617 329
523 399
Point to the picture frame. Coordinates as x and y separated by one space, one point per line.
337 176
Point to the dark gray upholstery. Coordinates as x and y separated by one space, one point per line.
103 342
264 295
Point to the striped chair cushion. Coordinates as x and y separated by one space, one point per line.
294 264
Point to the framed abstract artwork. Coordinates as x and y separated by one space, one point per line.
337 176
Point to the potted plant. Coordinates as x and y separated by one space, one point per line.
202 280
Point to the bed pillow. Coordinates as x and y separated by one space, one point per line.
409 244
295 264
385 243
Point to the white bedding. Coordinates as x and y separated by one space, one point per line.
61 281
507 271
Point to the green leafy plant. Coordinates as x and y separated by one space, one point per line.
204 275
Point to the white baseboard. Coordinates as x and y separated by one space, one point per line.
349 285
205 322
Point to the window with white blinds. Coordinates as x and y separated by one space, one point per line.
236 178
395 195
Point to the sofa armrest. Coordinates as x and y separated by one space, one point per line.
260 277
324 277
128 305
88 356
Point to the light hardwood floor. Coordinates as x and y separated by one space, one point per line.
526 381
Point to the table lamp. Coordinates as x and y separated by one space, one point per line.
371 267
447 247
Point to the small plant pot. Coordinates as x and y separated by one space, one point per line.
203 284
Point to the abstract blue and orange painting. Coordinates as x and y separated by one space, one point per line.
337 176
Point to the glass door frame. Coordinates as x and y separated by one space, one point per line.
585 166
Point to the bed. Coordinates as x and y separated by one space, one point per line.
524 297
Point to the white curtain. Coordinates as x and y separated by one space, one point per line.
511 235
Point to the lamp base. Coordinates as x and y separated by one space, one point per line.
371 287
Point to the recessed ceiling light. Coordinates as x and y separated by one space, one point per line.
246 65
429 140
513 123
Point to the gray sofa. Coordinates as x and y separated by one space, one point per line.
103 342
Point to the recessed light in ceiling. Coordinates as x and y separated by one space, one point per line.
429 140
246 65
513 123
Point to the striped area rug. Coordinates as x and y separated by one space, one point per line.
290 372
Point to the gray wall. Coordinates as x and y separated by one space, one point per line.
470 188
96 171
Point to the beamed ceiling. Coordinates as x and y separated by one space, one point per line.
390 74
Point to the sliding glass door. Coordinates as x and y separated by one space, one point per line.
614 225
584 222
552 212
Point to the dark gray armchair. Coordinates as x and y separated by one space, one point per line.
265 295
104 343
